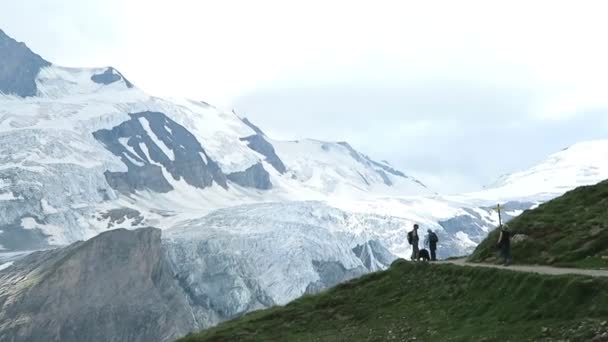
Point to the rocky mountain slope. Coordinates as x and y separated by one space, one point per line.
115 287
571 230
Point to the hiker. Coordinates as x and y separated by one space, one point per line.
504 244
431 241
412 239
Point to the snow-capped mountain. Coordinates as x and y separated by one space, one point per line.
584 163
80 147
84 150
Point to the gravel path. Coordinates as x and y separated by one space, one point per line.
533 268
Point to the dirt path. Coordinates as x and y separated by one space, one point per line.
532 268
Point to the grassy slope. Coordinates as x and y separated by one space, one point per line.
571 230
433 303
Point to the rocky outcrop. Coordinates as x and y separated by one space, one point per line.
149 142
109 76
254 177
114 287
260 144
19 67
120 216
263 147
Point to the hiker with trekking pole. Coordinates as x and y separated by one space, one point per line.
504 240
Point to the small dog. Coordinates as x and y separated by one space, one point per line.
423 255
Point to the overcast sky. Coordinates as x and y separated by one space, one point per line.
455 93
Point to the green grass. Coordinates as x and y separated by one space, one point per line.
571 230
433 303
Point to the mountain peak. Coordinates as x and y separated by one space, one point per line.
109 76
583 163
19 67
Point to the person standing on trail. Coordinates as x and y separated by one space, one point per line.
431 241
504 244
413 239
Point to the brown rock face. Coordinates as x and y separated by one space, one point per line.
114 287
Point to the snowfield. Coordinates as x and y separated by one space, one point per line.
584 163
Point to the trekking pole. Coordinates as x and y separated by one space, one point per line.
499 216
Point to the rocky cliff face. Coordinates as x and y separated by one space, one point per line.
114 287
259 143
19 67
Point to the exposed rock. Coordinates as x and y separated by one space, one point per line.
138 142
260 144
263 147
518 238
114 287
255 128
145 177
254 177
109 76
19 67
120 215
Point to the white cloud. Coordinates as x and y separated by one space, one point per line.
216 50
572 103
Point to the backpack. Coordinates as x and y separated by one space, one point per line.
433 238
410 237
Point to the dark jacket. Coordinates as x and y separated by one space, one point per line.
431 240
413 237
504 239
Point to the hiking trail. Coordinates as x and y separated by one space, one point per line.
540 269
